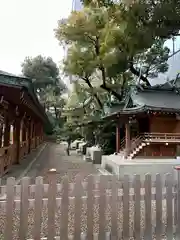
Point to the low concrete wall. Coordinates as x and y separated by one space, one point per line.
139 167
95 154
108 162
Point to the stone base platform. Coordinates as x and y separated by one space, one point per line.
116 165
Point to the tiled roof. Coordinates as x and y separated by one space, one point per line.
164 97
157 99
11 75
13 81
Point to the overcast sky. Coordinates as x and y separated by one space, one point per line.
26 29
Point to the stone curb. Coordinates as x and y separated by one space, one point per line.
27 169
30 164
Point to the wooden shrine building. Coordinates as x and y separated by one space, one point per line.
21 120
148 122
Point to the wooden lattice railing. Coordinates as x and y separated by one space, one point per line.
7 157
162 136
153 137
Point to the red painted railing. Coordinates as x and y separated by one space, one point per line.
7 157
161 137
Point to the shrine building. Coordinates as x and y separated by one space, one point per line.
22 119
148 122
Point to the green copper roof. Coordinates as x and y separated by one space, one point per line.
26 83
157 99
161 98
8 78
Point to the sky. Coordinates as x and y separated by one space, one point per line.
26 29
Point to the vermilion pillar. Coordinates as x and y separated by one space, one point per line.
17 132
117 138
29 135
127 138
1 134
42 132
32 135
24 130
35 133
7 132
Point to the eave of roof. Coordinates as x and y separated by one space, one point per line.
24 83
156 98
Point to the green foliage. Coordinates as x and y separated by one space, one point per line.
106 137
43 71
115 43
48 85
112 39
154 60
71 132
103 134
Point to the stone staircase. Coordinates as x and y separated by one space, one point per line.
137 150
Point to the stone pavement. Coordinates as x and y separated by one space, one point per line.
54 156
18 170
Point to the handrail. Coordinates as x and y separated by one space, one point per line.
162 135
136 142
122 143
150 136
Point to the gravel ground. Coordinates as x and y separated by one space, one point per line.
54 157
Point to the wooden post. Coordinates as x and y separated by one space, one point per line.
32 134
118 137
29 135
51 203
1 134
42 132
128 138
23 131
37 133
7 132
17 126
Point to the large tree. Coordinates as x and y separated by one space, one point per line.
43 71
102 40
47 82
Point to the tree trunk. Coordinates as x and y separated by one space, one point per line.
109 90
56 112
104 86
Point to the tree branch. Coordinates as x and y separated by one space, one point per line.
150 68
123 85
109 90
103 73
86 79
137 73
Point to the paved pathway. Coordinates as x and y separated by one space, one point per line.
54 156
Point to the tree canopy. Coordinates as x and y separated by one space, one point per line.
118 42
49 87
44 72
111 45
